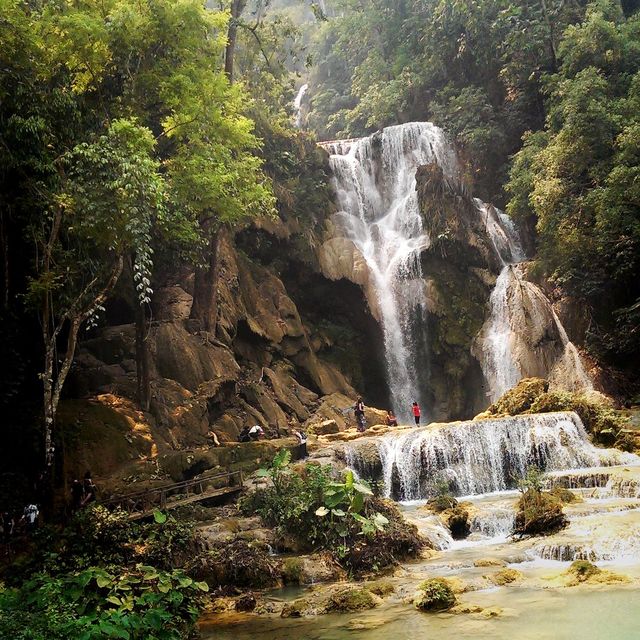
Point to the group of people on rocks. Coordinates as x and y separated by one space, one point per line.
390 418
256 432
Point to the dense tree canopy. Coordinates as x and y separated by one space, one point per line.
120 131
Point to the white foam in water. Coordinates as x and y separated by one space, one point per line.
478 457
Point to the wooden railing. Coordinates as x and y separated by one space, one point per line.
141 503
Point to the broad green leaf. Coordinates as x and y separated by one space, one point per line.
159 516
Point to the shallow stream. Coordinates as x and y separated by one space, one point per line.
604 528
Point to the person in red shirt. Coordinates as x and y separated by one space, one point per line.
416 412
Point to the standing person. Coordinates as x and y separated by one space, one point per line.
30 516
302 441
8 525
416 412
90 491
359 411
77 493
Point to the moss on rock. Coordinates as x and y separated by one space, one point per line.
582 570
521 398
504 577
458 521
434 595
531 395
352 599
566 496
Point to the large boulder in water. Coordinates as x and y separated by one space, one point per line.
539 513
434 595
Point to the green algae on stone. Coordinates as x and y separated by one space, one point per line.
434 595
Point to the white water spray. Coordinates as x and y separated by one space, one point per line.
483 456
374 180
297 104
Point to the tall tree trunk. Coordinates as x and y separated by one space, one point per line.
205 288
71 321
142 358
237 7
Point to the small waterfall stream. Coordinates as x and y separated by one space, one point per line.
374 180
297 104
503 346
479 457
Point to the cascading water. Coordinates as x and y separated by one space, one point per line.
297 104
503 346
374 180
482 456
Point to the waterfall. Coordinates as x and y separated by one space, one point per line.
297 104
476 457
374 181
520 320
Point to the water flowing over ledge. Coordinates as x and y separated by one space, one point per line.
476 457
375 185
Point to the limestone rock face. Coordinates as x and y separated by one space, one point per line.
264 366
172 303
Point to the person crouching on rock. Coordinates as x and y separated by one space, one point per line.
256 432
391 419
416 412
359 411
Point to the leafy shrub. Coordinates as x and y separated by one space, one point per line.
94 579
538 513
362 531
292 570
141 603
168 545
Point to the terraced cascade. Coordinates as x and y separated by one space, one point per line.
477 457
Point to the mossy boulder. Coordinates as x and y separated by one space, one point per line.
521 398
538 513
434 595
531 395
352 599
582 570
458 521
442 503
295 609
505 576
566 496
595 411
380 588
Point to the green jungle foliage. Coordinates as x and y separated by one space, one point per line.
102 577
342 517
